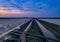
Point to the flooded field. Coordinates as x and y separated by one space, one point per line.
7 24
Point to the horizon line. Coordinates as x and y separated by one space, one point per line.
29 17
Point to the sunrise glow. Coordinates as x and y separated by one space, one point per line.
13 11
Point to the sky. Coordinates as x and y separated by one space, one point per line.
29 8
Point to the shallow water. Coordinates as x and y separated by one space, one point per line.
7 24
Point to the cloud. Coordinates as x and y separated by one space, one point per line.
14 11
39 8
5 3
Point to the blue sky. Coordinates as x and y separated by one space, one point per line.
30 8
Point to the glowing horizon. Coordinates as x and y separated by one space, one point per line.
14 11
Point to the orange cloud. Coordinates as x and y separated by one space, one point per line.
13 11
